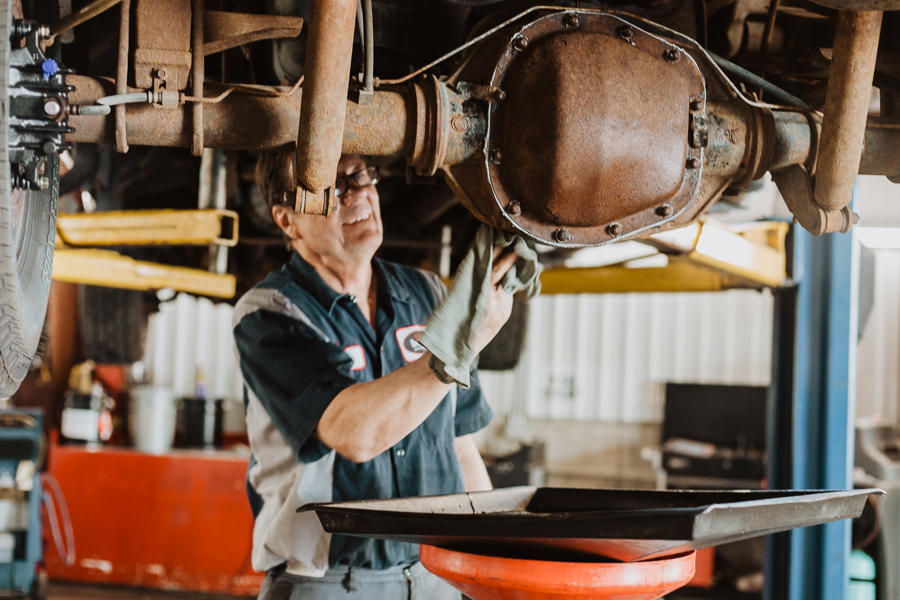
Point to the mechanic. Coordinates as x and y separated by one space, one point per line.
341 403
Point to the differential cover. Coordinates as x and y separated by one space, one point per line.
591 142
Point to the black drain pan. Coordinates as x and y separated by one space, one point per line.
571 524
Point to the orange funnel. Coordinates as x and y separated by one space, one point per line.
497 578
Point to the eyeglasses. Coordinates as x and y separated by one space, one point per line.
357 180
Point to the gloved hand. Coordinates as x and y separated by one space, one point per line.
479 301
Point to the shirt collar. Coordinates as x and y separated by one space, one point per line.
310 280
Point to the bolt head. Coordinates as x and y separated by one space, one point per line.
520 43
626 32
562 235
696 104
161 73
44 182
49 148
614 229
571 21
672 55
665 210
693 162
459 123
499 95
52 107
514 209
496 155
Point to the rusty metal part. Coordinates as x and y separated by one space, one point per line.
881 150
328 52
122 76
846 107
860 5
795 185
770 25
197 76
600 153
162 53
224 29
432 111
250 121
85 13
444 126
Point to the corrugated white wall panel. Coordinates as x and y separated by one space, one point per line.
878 359
606 357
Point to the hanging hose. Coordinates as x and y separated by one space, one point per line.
65 551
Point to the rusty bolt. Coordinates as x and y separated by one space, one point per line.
693 162
626 32
161 73
672 55
459 123
571 21
514 209
44 182
52 107
696 104
664 211
520 43
496 155
614 229
562 235
499 95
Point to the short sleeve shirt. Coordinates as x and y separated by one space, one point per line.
299 344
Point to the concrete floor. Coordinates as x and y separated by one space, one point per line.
72 591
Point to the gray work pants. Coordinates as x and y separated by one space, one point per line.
349 583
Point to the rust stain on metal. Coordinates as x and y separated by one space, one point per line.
225 29
122 75
197 77
162 41
846 107
594 130
328 51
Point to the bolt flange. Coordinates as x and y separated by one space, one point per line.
562 235
665 210
614 229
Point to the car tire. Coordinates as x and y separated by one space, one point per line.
113 324
27 233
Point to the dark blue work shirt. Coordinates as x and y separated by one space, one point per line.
300 343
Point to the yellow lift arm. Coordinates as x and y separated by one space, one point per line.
703 257
74 263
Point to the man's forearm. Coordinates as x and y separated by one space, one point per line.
366 419
474 473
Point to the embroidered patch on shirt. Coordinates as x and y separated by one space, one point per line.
408 340
358 355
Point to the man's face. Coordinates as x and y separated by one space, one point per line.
353 232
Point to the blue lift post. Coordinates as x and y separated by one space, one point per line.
820 414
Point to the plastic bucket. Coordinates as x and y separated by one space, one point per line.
151 418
